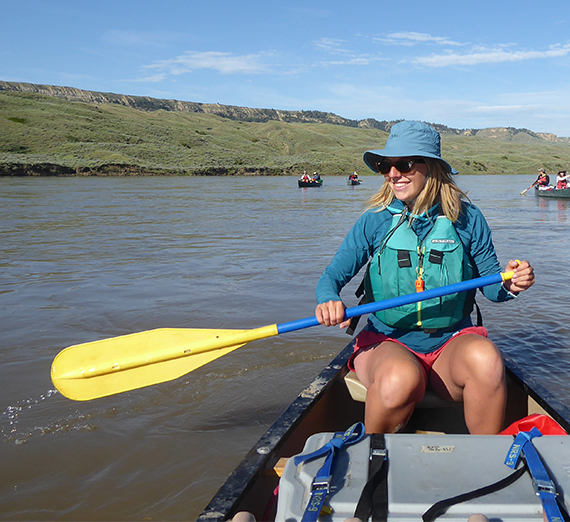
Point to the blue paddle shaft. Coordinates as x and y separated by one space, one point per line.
370 308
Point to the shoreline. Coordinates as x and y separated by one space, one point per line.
56 170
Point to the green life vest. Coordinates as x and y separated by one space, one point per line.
439 259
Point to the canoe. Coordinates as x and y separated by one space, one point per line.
554 193
311 183
327 406
353 182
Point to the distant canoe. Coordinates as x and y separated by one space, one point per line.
311 183
353 182
554 193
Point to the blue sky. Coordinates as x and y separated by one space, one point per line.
465 64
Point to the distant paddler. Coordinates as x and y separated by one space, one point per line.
543 180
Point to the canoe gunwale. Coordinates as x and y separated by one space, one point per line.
545 399
225 502
554 193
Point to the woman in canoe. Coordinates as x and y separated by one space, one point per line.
420 232
543 179
562 180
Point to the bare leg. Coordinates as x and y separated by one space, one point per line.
396 382
471 369
243 516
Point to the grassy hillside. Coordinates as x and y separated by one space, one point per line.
43 134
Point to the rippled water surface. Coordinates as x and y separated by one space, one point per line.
90 258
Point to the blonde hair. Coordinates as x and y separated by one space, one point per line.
439 188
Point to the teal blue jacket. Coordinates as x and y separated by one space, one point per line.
365 237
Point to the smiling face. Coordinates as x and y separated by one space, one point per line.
405 185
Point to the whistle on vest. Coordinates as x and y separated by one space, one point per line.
420 284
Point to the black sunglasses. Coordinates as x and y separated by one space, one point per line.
403 166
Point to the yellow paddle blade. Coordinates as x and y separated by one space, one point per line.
97 369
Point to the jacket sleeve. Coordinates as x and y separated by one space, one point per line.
474 228
353 253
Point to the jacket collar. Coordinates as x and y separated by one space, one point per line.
422 223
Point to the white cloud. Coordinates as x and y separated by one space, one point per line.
155 78
490 56
141 38
493 109
224 63
334 47
413 38
331 45
357 60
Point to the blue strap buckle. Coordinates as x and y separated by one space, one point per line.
321 484
543 485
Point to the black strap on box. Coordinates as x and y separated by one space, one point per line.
373 502
439 508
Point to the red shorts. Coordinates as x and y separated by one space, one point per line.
367 339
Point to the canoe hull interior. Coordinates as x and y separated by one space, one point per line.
326 406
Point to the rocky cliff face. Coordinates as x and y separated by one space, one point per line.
146 103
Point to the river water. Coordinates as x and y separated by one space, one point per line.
91 258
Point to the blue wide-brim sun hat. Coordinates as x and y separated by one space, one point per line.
409 138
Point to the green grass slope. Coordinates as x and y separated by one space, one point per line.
42 135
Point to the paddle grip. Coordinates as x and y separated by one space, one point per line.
370 308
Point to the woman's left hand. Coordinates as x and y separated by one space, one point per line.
523 277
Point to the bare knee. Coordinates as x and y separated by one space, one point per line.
484 362
402 386
243 516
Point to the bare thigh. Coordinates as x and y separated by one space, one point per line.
390 361
465 359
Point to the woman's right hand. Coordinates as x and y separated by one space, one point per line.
331 314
